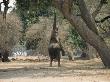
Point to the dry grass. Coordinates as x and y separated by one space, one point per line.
40 30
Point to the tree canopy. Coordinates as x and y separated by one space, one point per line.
82 15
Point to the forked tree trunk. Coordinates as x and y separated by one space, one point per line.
93 39
87 34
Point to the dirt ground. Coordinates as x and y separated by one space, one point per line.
70 71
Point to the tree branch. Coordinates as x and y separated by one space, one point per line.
99 7
102 20
86 16
87 34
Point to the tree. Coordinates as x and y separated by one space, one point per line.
84 24
75 39
37 36
0 7
86 29
9 35
29 12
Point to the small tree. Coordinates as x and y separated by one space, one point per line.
9 34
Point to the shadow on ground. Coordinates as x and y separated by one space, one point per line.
39 70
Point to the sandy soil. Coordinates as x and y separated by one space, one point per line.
70 71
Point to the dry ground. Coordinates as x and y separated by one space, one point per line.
70 71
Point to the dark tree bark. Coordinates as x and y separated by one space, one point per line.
0 56
0 7
6 2
5 56
87 34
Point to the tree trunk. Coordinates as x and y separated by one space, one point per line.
5 56
0 8
87 34
86 16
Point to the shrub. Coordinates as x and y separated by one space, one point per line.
9 31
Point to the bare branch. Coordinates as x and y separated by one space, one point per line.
99 7
104 19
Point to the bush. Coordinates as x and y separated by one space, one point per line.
9 31
38 35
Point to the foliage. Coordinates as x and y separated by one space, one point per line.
29 12
75 39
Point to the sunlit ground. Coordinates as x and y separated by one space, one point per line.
70 71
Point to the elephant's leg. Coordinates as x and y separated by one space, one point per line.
51 59
59 65
58 57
